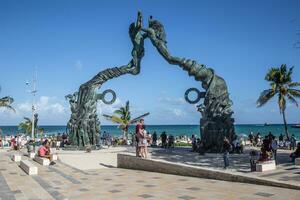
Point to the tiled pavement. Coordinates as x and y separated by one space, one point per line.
286 171
64 182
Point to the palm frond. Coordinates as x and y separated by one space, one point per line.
138 118
117 119
292 99
294 84
294 92
264 97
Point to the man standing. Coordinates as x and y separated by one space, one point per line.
226 149
139 136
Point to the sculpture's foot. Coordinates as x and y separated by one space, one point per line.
135 71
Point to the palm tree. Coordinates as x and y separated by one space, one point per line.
6 102
122 116
281 83
26 126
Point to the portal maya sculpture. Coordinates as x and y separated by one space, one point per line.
216 121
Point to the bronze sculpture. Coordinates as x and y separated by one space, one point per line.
83 127
216 121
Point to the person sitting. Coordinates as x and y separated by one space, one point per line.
266 150
296 153
44 152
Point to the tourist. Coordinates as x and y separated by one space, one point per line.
253 159
266 150
293 142
274 147
200 147
251 137
171 141
154 139
226 149
194 143
271 136
58 141
44 151
64 140
257 139
139 137
144 147
280 143
13 143
235 144
295 154
163 139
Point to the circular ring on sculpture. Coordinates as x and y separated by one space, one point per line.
114 96
186 95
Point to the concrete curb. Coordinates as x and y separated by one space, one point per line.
133 162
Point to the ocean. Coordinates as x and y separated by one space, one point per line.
175 130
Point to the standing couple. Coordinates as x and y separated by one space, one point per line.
141 139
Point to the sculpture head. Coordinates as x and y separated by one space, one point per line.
158 28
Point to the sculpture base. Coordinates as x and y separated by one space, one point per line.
213 132
77 148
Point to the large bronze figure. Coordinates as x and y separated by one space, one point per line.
83 127
216 121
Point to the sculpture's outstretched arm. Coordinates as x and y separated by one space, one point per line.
200 72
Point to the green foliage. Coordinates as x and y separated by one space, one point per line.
280 79
182 144
26 126
122 116
5 102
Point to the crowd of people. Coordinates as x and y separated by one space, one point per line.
21 141
268 144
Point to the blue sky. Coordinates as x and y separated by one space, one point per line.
70 41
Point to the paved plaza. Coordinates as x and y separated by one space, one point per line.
66 180
286 171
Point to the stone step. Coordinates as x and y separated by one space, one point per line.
42 161
28 167
265 166
16 157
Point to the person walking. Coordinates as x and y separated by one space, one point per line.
226 149
139 137
293 142
274 147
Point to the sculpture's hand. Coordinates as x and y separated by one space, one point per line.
139 21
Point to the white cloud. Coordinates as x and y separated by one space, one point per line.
44 105
172 101
78 65
103 108
179 112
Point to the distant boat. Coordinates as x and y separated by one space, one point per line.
266 124
296 126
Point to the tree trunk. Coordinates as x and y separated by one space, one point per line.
124 135
285 125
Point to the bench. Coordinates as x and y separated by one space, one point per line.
265 166
31 155
42 161
28 167
16 157
54 157
297 161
